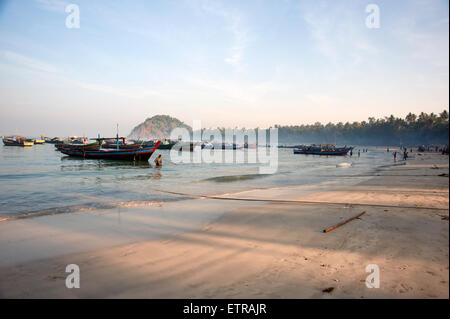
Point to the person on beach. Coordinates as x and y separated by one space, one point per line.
158 160
395 156
359 153
405 155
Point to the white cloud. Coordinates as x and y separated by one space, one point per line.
426 42
52 5
17 62
26 62
131 93
235 25
240 43
338 31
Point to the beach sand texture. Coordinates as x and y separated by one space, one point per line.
249 250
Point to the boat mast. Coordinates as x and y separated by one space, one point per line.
117 137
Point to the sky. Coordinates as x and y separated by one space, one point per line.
253 63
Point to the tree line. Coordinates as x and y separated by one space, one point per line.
411 130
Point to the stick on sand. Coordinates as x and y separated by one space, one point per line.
342 223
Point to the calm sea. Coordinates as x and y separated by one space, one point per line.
40 180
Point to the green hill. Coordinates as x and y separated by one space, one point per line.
158 126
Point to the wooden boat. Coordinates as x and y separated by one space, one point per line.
17 142
122 146
38 141
70 146
326 150
140 154
54 140
166 146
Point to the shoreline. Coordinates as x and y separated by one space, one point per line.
265 250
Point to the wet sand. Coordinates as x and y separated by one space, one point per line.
241 249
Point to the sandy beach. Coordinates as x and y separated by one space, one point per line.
247 249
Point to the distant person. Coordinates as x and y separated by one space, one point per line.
395 156
158 160
405 155
359 153
388 149
351 152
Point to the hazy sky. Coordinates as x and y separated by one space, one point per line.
226 63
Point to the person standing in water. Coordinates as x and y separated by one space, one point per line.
359 153
395 156
158 160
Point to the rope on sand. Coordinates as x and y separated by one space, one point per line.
298 201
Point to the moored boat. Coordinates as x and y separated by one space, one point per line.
17 141
38 141
71 146
122 146
55 140
328 150
140 154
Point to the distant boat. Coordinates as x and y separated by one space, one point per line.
251 146
165 145
227 146
322 150
17 141
289 146
140 154
55 140
38 141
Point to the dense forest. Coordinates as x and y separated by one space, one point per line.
412 130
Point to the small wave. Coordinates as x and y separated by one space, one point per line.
234 178
344 165
80 209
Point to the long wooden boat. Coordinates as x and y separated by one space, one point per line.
122 146
17 142
38 141
80 147
140 154
318 150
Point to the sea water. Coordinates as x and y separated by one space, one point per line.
39 180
